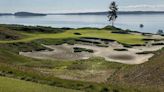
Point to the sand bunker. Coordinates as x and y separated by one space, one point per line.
66 52
122 57
60 52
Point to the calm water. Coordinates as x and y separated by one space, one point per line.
152 23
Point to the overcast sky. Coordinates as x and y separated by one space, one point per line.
53 6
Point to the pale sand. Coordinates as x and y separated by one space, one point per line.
65 52
110 55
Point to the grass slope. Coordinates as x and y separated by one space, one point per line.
149 73
123 38
19 67
14 85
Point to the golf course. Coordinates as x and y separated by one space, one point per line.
109 59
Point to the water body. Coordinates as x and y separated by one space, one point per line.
152 23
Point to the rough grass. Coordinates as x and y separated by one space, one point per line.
9 57
14 85
16 66
148 74
7 34
123 38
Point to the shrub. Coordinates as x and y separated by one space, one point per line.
111 28
9 72
120 32
77 49
156 44
77 33
115 90
71 42
120 49
126 45
28 79
36 28
101 45
145 52
23 78
138 45
104 90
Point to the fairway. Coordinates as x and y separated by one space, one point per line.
123 38
13 85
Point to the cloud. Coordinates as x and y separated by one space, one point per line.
143 7
146 6
77 10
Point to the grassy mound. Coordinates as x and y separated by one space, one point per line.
77 49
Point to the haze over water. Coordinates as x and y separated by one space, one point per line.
152 23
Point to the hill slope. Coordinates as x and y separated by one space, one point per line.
28 14
147 74
13 85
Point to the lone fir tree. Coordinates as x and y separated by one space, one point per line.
113 12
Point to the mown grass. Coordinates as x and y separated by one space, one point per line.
14 85
123 38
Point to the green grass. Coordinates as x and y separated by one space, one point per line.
14 85
123 38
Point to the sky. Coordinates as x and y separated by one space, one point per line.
60 6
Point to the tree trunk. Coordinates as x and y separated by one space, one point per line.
112 23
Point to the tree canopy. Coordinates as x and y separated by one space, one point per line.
113 12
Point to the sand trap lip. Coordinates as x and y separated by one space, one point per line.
65 52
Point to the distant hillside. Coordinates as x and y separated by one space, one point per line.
105 13
28 14
5 14
83 13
